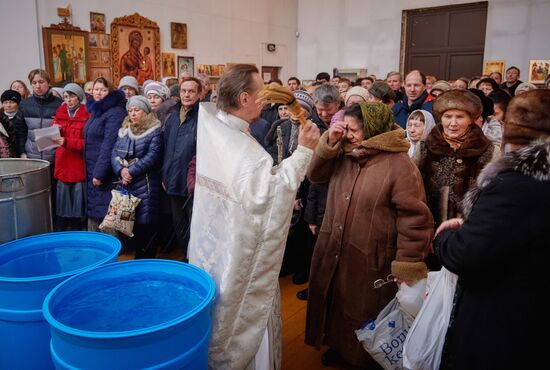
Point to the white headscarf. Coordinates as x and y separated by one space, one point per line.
429 124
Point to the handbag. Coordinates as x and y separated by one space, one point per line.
122 212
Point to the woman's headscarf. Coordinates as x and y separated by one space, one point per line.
377 119
429 124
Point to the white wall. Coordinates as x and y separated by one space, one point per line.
367 33
20 49
218 31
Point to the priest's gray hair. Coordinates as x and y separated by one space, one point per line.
236 80
326 94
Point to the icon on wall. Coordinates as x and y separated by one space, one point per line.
178 35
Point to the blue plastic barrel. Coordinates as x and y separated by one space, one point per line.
29 269
153 314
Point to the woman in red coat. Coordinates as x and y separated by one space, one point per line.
70 170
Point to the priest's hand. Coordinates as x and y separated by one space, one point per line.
309 135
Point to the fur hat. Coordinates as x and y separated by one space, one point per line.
157 88
357 91
441 85
75 89
140 102
304 99
527 117
463 100
12 95
382 91
129 81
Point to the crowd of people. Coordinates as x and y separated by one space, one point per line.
395 161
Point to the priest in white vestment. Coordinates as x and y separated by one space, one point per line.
241 215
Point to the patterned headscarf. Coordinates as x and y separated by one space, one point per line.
377 119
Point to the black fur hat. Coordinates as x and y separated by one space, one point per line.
11 95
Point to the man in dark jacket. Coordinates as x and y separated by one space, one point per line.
38 111
180 144
416 97
512 80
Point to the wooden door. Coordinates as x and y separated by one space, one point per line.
447 42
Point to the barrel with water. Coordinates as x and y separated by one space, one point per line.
132 315
29 269
25 204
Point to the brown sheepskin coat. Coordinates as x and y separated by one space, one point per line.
376 223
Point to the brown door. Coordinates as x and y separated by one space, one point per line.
447 42
270 73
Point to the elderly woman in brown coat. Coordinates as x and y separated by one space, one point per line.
454 153
376 223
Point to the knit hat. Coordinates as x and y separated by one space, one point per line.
377 119
463 100
75 89
140 102
486 102
12 95
357 91
382 91
304 99
59 91
157 88
147 82
129 81
441 85
524 86
527 117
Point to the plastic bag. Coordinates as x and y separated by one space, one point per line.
122 212
383 338
424 344
412 297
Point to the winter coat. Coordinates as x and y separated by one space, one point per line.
38 112
316 204
18 123
270 113
100 134
180 145
165 109
139 148
448 174
376 223
401 110
69 158
510 89
270 139
259 129
498 257
8 140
